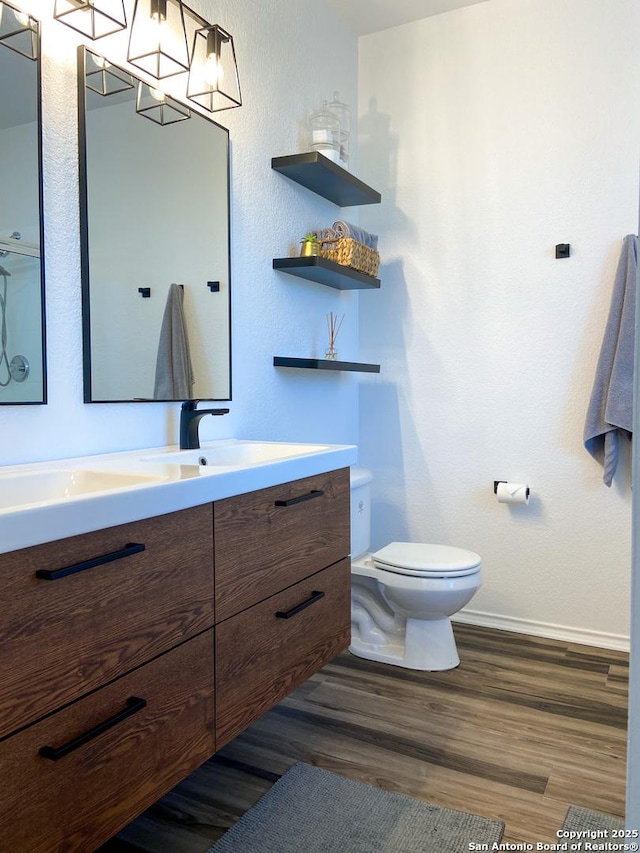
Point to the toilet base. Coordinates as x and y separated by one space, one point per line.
428 645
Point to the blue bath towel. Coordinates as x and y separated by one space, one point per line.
610 412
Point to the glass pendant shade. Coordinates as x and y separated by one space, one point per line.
18 31
156 106
104 78
213 76
92 18
158 38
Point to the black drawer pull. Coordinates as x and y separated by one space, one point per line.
54 753
287 614
56 574
316 493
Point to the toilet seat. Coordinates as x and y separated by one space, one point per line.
418 559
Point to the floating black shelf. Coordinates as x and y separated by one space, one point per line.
324 177
324 271
324 364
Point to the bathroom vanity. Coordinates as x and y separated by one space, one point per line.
130 654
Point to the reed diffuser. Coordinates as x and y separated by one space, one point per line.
333 327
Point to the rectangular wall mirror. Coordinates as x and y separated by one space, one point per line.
22 331
154 203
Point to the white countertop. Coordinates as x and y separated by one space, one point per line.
167 488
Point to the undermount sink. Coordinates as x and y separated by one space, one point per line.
237 454
44 486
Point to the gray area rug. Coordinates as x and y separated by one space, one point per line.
315 811
580 819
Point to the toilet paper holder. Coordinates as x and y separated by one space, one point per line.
495 487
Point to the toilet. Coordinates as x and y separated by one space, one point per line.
403 596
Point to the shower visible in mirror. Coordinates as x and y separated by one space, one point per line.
154 198
22 350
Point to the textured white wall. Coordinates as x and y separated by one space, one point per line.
291 54
495 132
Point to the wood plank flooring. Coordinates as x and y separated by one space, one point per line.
523 728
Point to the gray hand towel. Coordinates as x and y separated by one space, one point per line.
326 235
346 229
174 374
610 412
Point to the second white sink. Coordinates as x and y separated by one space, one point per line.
46 486
236 453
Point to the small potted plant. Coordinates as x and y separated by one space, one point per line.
310 245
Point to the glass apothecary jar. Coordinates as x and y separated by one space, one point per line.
343 114
324 126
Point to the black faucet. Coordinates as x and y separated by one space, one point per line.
190 417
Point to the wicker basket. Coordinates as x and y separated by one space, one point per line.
351 253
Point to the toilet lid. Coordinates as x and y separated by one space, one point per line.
418 558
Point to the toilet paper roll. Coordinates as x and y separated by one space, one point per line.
512 493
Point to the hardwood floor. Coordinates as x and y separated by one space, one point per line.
523 728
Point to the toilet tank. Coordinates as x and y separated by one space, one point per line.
360 510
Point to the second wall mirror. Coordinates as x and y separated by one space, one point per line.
154 197
22 350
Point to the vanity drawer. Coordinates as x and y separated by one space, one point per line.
61 638
267 651
78 801
272 538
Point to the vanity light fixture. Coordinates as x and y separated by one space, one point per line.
158 38
104 78
156 106
18 31
92 18
213 75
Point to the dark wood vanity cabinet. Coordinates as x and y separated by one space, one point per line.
282 593
62 635
76 801
122 668
269 539
106 677
265 652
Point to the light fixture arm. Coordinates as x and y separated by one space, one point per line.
215 39
158 10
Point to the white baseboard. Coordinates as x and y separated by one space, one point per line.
543 629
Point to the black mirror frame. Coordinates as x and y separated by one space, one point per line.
43 312
84 237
